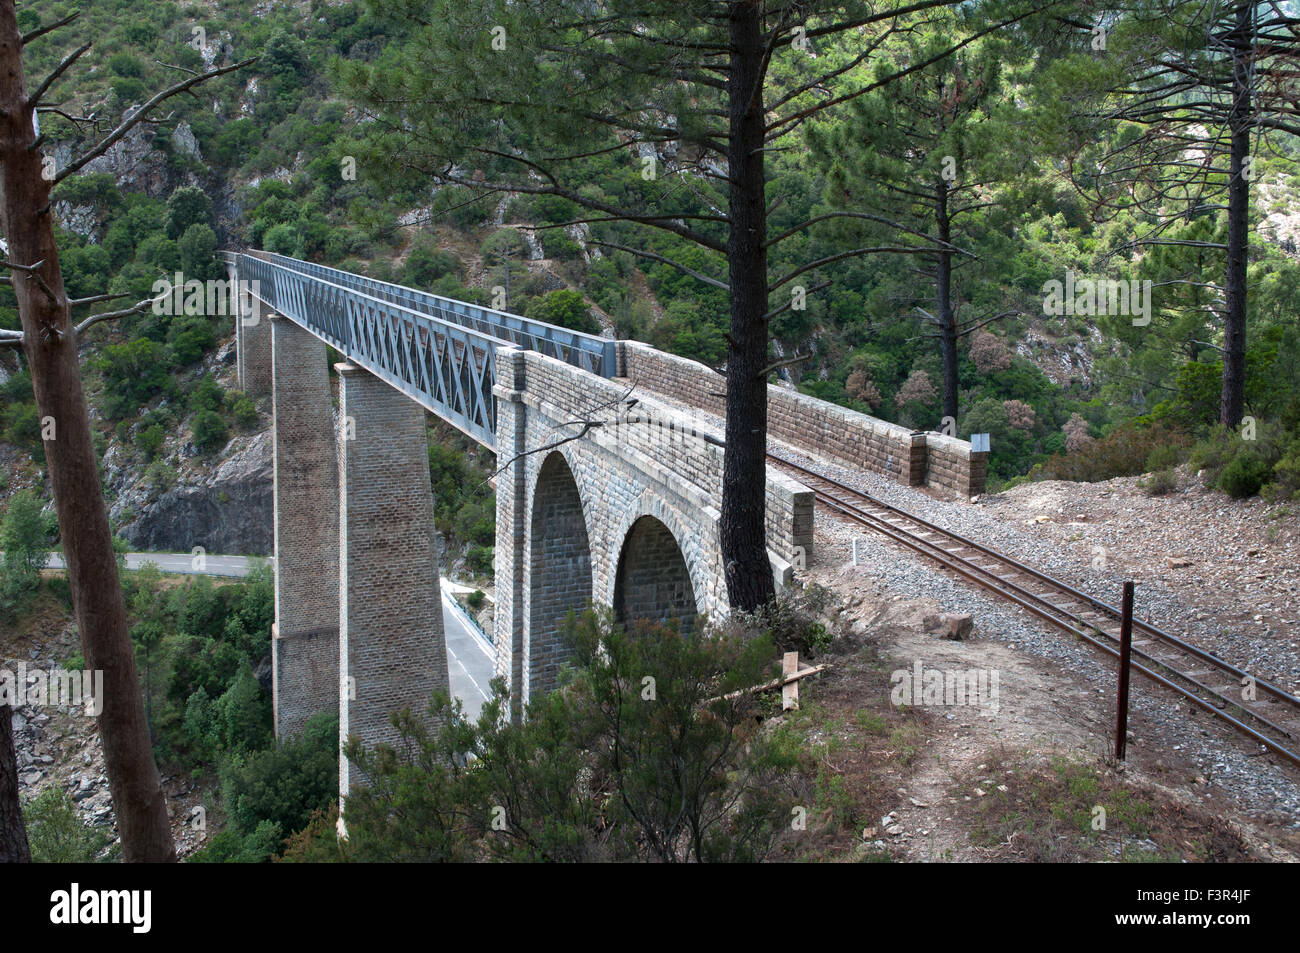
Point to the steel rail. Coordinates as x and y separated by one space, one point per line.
1056 615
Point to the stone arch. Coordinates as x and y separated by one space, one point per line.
559 570
652 580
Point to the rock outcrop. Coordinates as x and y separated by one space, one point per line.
228 510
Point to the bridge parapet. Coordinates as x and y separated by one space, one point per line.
914 458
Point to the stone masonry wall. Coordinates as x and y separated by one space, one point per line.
952 465
304 677
823 428
253 348
653 581
560 571
646 460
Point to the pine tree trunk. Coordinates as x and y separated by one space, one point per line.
744 476
51 349
943 303
1233 401
13 834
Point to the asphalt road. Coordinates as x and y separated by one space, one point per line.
469 658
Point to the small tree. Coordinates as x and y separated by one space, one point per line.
652 752
22 536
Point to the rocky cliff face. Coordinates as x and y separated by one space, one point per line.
227 509
222 502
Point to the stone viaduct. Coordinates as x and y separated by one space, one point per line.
609 490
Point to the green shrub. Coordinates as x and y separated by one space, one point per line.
480 558
1165 456
1286 474
244 412
209 431
1122 452
232 847
567 309
286 782
1244 476
556 244
57 835
149 440
190 336
24 535
1160 483
206 395
475 599
160 476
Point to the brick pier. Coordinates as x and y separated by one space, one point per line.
305 642
392 648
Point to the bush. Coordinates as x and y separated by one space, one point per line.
209 431
425 265
149 441
475 599
232 847
206 395
244 412
1122 452
1286 474
687 774
57 835
1160 483
190 336
286 783
567 309
480 559
283 239
557 245
160 477
23 536
1244 476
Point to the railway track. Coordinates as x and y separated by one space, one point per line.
1271 718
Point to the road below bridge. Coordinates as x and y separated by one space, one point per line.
469 656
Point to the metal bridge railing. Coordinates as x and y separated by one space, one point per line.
438 350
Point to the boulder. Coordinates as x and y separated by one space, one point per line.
956 625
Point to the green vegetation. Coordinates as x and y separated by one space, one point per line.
648 754
25 537
57 835
464 503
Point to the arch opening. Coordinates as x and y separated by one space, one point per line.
653 581
560 570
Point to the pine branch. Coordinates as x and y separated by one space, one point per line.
140 114
722 285
40 31
34 99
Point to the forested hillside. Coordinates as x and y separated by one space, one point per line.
278 156
979 160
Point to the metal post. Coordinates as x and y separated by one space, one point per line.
855 550
1125 654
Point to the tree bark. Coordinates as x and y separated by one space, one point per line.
943 303
1233 400
50 346
13 833
744 472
